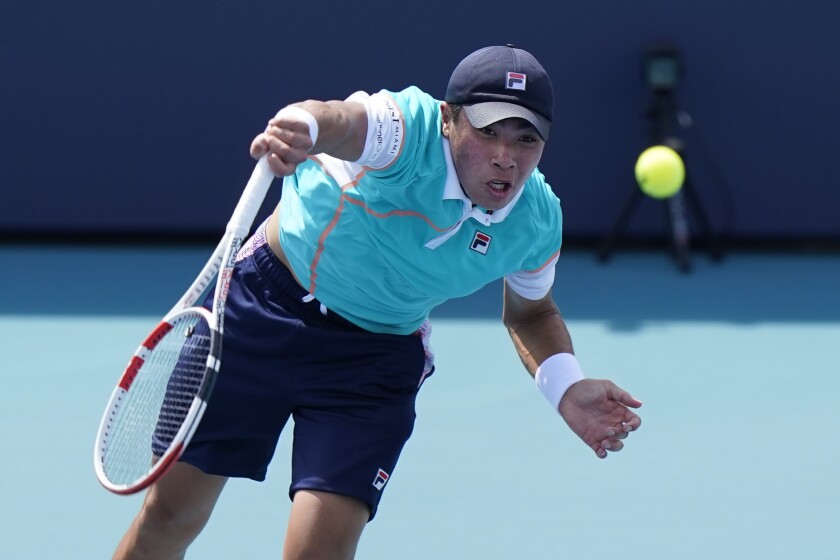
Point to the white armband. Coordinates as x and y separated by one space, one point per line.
385 130
555 375
300 115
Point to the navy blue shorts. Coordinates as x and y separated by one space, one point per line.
350 392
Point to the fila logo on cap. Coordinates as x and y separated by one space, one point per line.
515 80
380 480
480 242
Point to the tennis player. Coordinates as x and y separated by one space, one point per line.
392 203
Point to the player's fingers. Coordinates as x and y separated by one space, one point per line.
284 159
605 445
612 445
259 146
280 167
285 135
293 133
613 436
631 422
622 396
619 430
288 152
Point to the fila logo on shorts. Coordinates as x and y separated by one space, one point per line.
480 242
380 480
515 80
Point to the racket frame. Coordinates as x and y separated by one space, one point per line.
219 268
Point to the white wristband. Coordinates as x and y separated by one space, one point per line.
300 115
555 375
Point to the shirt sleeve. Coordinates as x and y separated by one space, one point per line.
536 277
534 284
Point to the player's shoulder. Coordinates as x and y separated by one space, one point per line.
410 94
413 103
541 198
404 133
542 215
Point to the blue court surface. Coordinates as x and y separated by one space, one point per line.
738 364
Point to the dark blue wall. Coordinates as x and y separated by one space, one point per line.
126 117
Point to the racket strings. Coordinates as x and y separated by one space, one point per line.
152 411
180 391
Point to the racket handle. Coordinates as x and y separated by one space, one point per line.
252 198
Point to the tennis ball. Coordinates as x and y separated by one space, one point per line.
660 172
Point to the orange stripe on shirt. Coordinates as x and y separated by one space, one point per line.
313 266
402 213
313 273
545 264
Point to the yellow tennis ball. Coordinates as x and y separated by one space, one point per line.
660 172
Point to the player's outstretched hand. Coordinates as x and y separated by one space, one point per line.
287 142
598 411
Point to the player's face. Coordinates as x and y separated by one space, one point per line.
493 163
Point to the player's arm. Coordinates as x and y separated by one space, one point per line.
338 128
597 410
536 327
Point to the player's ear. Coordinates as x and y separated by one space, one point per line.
446 118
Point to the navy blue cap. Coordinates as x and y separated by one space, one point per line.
496 83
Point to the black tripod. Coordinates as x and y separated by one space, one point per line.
662 114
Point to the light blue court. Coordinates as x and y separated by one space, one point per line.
738 364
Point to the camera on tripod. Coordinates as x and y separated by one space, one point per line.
662 72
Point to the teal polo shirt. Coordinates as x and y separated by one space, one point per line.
383 246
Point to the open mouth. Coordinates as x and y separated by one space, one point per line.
499 190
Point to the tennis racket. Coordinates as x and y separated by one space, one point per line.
162 394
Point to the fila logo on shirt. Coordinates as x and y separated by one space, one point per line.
480 242
515 80
381 480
